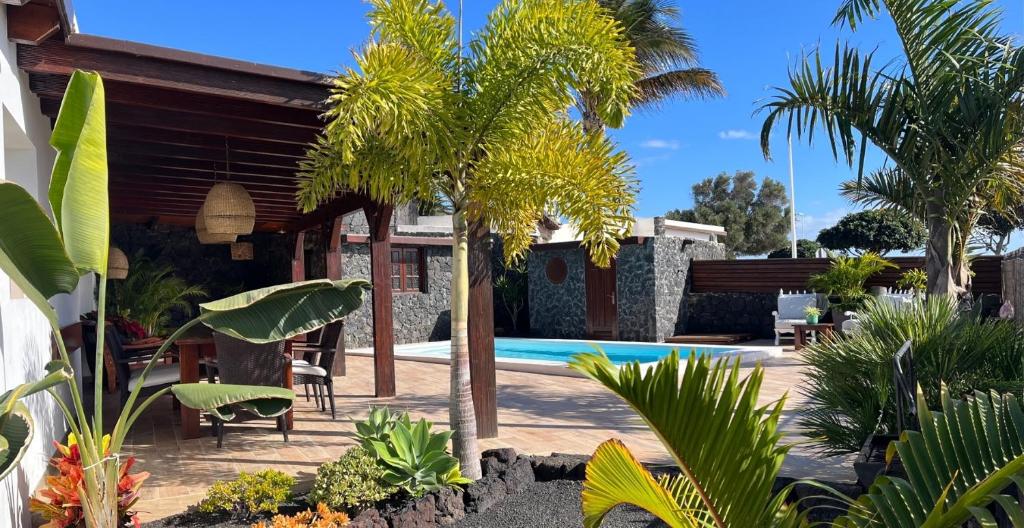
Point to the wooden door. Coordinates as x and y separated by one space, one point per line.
602 312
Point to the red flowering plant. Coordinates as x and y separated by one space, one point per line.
59 503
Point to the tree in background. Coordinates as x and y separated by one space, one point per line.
875 230
994 230
947 114
804 249
486 127
755 219
666 53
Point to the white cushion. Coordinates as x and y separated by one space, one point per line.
309 370
792 306
299 362
160 375
787 324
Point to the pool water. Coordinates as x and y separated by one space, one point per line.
561 350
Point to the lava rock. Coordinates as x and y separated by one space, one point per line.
370 518
504 455
559 467
449 506
518 475
484 493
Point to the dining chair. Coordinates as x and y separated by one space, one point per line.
318 375
243 363
125 355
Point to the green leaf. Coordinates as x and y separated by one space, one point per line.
284 311
78 185
218 399
31 252
725 444
57 372
615 477
16 431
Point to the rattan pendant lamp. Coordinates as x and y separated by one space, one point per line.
228 208
206 237
117 264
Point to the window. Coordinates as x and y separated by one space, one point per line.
407 270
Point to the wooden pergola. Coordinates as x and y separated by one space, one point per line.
175 119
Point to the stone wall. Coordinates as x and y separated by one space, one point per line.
557 310
418 316
747 313
634 291
672 258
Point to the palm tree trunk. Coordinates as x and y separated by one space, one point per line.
461 412
588 114
939 254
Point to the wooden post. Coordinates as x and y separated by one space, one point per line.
379 218
299 258
334 272
481 332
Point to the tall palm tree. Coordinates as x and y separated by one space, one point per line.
949 115
488 130
667 55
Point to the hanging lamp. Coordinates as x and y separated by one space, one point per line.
117 264
206 237
229 210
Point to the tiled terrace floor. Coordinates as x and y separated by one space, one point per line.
537 414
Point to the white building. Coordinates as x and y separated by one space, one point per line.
25 344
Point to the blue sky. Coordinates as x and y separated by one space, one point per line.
749 43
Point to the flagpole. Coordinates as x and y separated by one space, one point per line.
792 196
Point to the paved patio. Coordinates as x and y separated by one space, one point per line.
537 414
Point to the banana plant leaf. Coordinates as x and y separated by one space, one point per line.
78 184
31 252
57 372
15 436
727 447
960 462
221 400
284 311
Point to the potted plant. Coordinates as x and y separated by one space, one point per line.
812 313
844 283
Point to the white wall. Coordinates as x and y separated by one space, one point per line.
26 159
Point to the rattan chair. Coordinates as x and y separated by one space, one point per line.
332 343
244 363
125 355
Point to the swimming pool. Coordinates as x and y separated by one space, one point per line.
552 355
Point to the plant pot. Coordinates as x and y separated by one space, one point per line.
812 319
838 317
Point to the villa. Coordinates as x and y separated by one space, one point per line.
303 315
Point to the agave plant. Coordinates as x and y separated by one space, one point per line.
417 459
45 258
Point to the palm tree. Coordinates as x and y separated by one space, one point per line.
150 293
488 130
667 55
949 115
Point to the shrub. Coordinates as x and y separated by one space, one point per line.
913 279
844 280
378 425
849 380
417 459
249 495
323 517
353 483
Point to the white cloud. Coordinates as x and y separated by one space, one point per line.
662 144
734 133
808 225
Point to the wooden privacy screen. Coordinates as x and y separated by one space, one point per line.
769 275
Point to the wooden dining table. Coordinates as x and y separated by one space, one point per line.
198 345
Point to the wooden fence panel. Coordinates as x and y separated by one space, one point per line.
770 275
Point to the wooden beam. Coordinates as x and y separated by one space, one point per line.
51 86
379 218
189 152
334 272
326 212
202 139
299 258
354 238
481 332
127 157
183 220
145 65
144 173
225 127
32 23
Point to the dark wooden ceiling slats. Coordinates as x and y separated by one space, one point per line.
173 117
